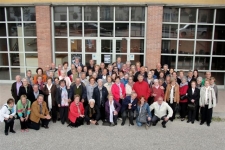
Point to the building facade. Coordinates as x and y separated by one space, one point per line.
185 36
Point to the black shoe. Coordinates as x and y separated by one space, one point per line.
197 119
54 121
171 120
46 127
115 124
208 124
154 124
96 123
201 123
59 119
12 131
131 123
6 133
192 122
88 123
163 125
122 124
188 121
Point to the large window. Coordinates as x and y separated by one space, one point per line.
194 38
18 41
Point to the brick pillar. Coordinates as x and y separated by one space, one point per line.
154 36
44 37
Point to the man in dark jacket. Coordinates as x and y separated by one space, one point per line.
142 72
129 105
35 93
100 95
15 88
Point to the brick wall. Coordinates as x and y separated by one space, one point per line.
44 38
154 36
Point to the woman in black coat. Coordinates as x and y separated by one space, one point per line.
26 89
92 113
193 101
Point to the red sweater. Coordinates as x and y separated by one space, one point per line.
142 89
183 91
159 93
116 91
73 113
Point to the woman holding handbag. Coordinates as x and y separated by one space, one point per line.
183 98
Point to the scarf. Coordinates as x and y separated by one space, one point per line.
64 96
49 97
183 84
111 110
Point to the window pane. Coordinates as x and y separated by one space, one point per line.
106 46
170 14
29 29
88 57
75 29
91 29
3 44
137 30
203 47
76 45
106 58
14 14
219 76
14 29
29 14
60 14
60 29
30 44
122 29
202 63
75 13
2 14
169 31
31 60
90 13
137 58
121 46
17 59
218 63
169 46
106 13
106 29
2 29
188 15
219 32
4 61
123 57
205 15
185 62
18 71
90 45
169 60
220 19
4 73
61 45
122 13
137 13
137 45
219 48
204 32
16 44
187 31
186 47
61 58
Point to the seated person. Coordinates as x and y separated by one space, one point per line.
39 114
143 113
92 113
23 111
112 108
7 114
129 105
76 113
160 112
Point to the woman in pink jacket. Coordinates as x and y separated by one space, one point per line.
118 90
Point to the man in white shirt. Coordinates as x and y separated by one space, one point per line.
160 112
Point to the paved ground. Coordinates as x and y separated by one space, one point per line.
177 136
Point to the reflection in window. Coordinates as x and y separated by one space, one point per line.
202 63
169 31
137 13
122 29
121 46
90 13
29 14
60 14
16 44
106 58
106 29
187 31
14 14
75 13
29 29
75 29
76 45
169 60
186 47
170 14
188 15
219 32
30 44
169 46
106 13
218 63
204 32
106 46
137 45
205 15
91 29
61 45
185 62
203 47
122 13
61 29
137 30
14 28
219 48
17 59
90 45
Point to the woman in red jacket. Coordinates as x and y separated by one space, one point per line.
183 98
76 113
118 90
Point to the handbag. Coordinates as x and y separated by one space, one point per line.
191 106
182 97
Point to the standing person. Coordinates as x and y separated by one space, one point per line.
195 74
207 77
56 81
64 77
39 72
162 75
83 78
183 98
47 70
149 79
199 82
69 73
65 68
100 95
26 89
92 113
156 91
23 111
91 65
129 105
118 63
77 63
157 70
112 108
174 75
102 67
29 77
90 88
53 68
141 72
160 112
103 76
133 70
35 93
129 86
207 101
172 96
39 114
40 83
165 70
166 82
171 70
190 78
58 72
143 113
138 66
142 88
109 84
76 113
73 76
118 90
50 98
110 70
63 100
214 86
7 114
193 102
15 88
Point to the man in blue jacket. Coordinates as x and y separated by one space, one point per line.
129 105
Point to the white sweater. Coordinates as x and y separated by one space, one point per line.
161 111
4 112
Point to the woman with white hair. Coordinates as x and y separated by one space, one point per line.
92 113
199 82
183 98
64 77
26 89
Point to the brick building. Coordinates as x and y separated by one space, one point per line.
185 35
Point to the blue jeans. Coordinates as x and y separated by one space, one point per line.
140 124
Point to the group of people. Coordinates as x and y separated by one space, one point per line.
86 94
